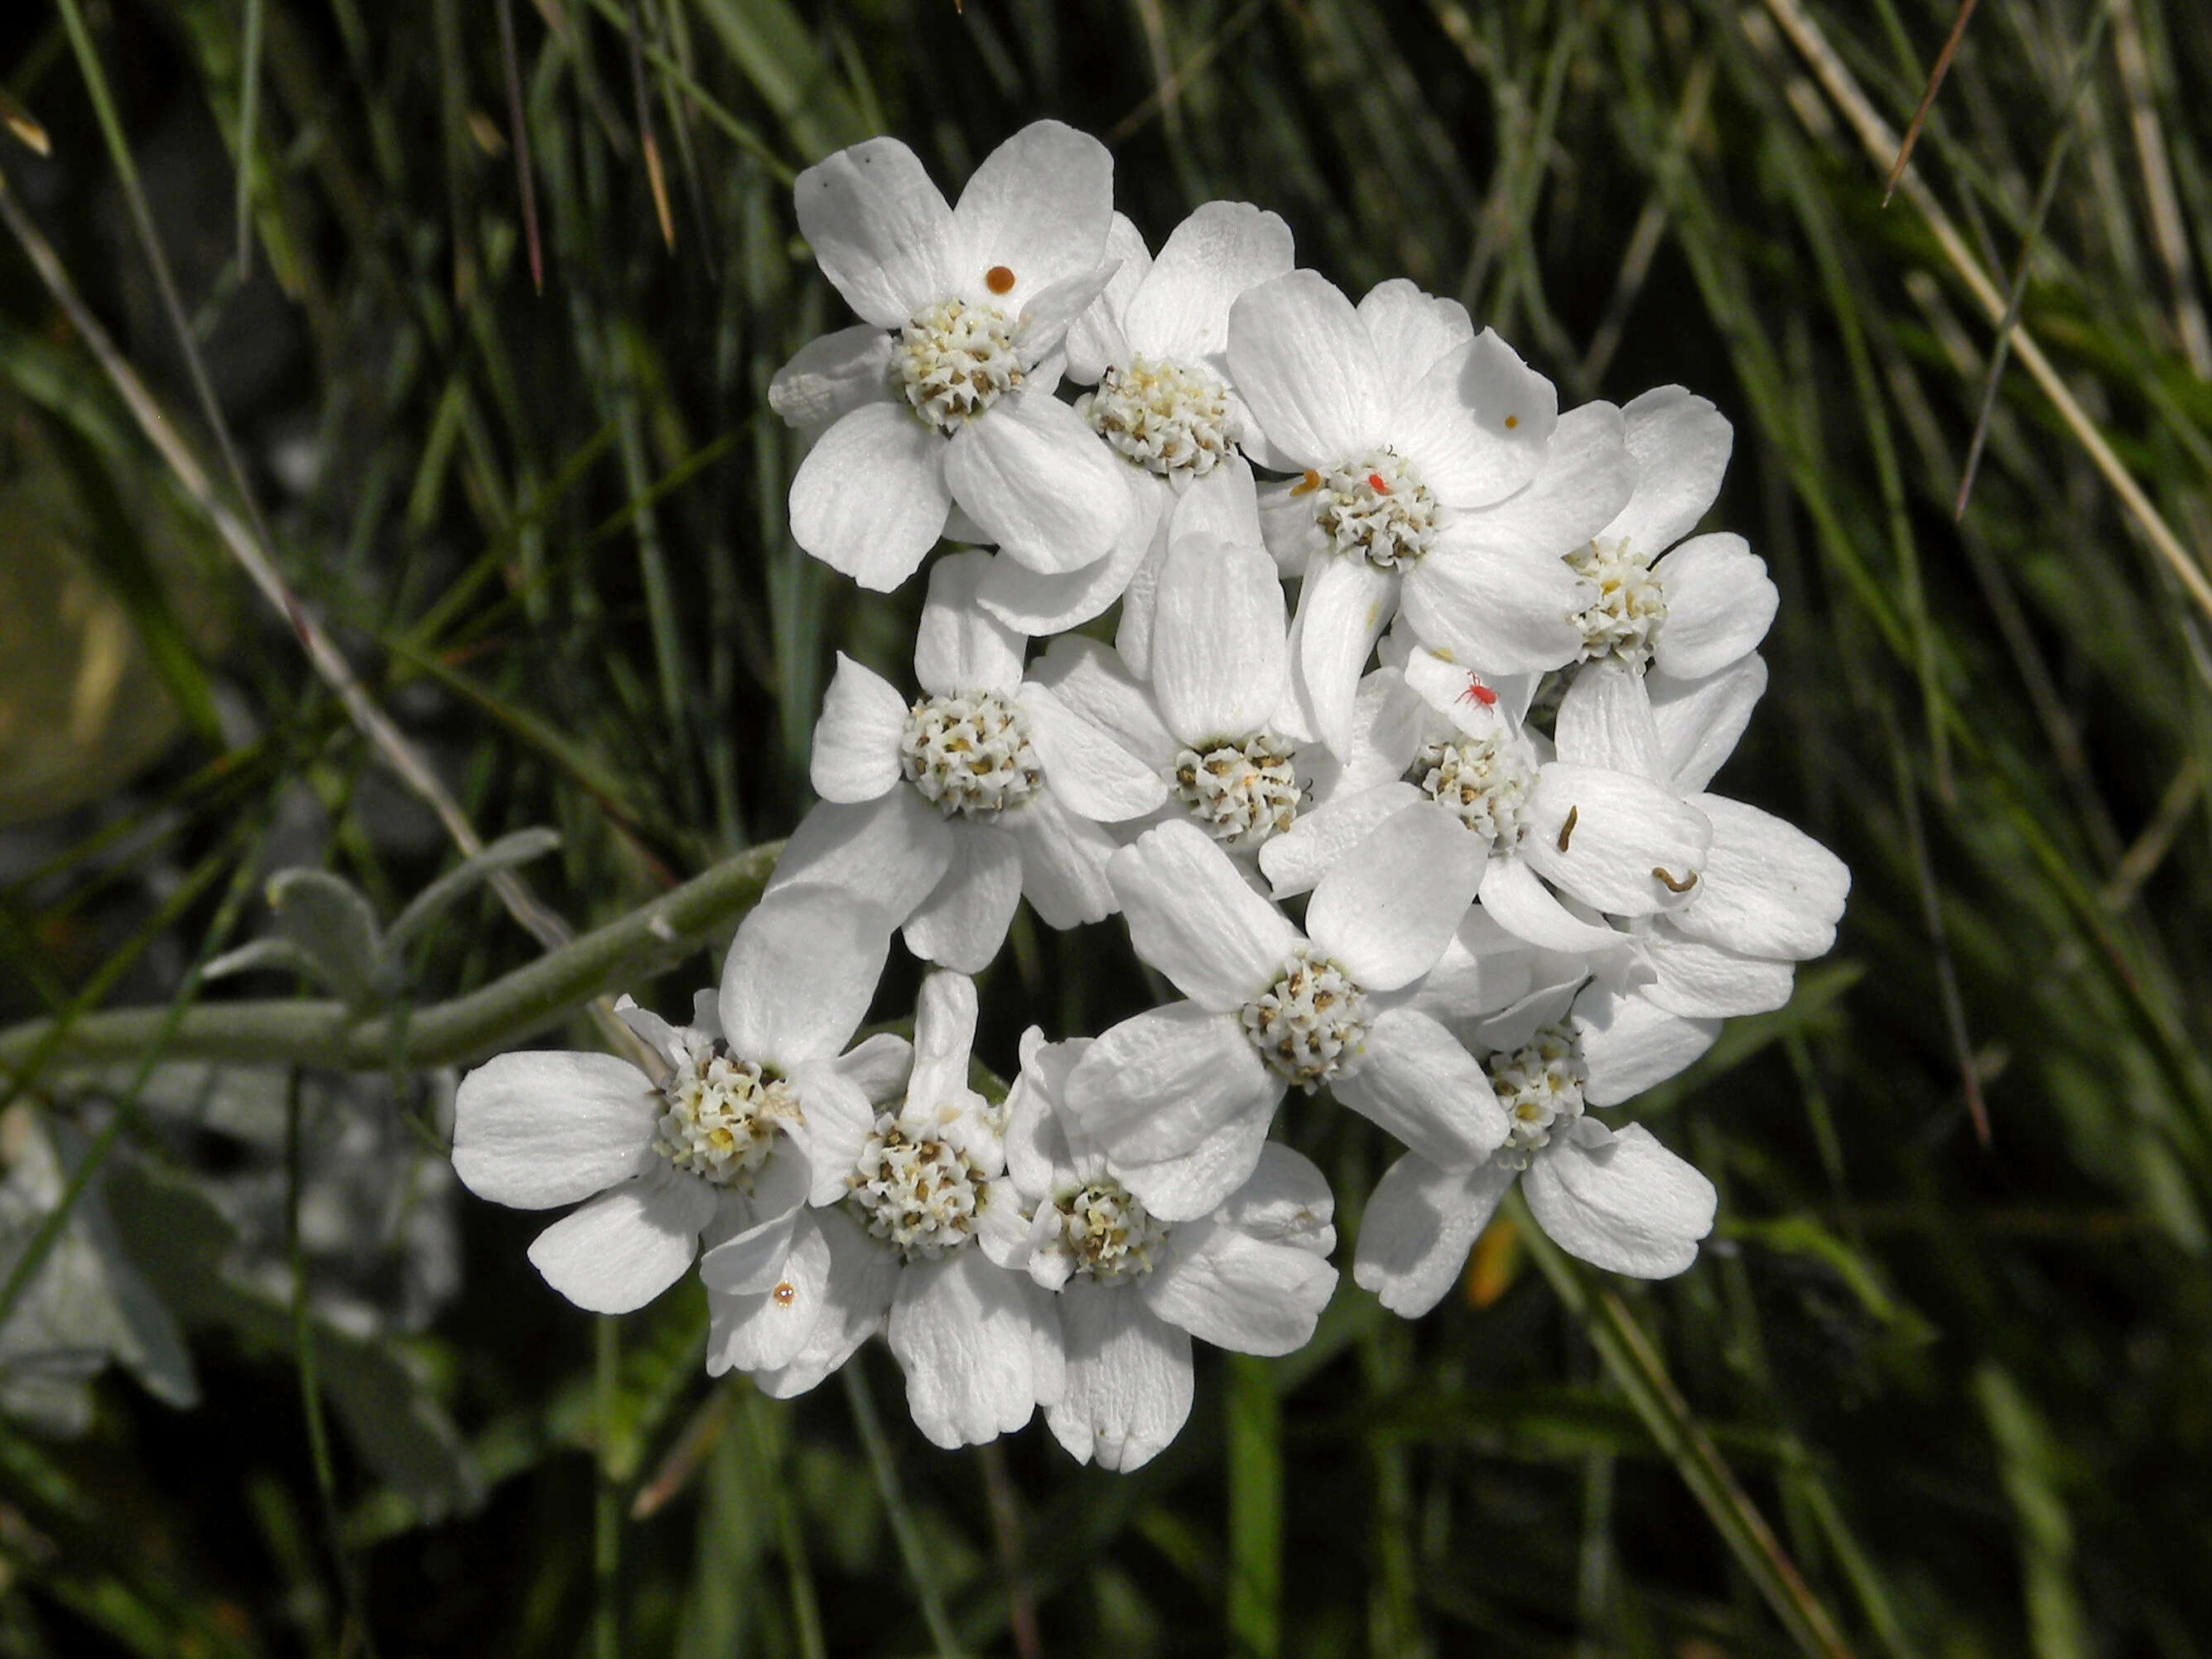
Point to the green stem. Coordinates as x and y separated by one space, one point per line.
328 1034
895 1505
1254 1433
1637 1367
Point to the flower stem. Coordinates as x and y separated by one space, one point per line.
1254 1429
328 1034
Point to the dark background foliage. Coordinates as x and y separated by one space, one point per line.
1964 1377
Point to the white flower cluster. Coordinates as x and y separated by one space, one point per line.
1498 928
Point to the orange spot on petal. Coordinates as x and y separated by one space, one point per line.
1512 421
998 279
1307 486
785 1294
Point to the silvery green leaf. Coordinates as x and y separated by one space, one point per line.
503 855
325 917
272 952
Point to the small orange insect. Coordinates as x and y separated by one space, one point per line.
1375 483
1478 692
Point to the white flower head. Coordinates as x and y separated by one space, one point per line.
1568 838
1690 612
1216 723
942 396
1154 347
1617 1199
1179 1100
718 1149
909 1167
949 808
1427 477
1247 1274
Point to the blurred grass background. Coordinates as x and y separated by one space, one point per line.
1963 1380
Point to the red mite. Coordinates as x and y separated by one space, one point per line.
1478 692
1375 483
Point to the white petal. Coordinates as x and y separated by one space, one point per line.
536 1128
1484 970
1515 1027
978 1347
1133 630
1606 721
1219 655
831 376
1769 889
1588 475
1064 862
767 1331
1039 205
963 923
880 229
1387 909
1286 1201
856 741
1038 1159
1390 724
1415 1082
1699 980
1225 504
1524 907
839 1117
1175 1086
1238 1292
943 1038
1096 341
1478 425
891 851
855 1297
1038 603
1040 482
1629 1043
1094 775
1182 311
1091 683
1343 605
870 498
1681 444
1625 831
801 973
875 1066
1700 721
1305 365
1497 610
1045 319
1622 1201
750 1262
1129 1377
1318 841
1289 526
1413 332
1418 1227
627 1246
1192 916
1720 603
960 648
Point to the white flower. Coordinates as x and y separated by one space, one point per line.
1700 607
1423 452
1215 724
908 1170
1154 346
948 809
945 395
1610 840
1178 1100
1247 1274
718 1149
1617 1199
1768 894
